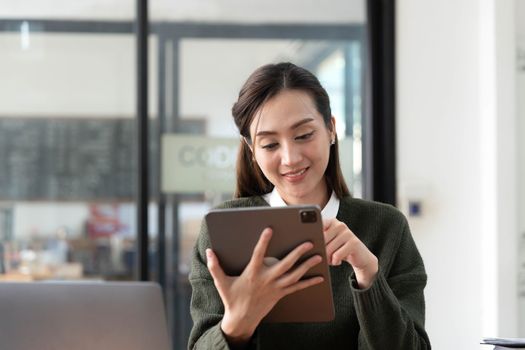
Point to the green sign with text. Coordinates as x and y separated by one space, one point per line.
193 164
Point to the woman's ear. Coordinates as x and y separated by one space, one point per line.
333 133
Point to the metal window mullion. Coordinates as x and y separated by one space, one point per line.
142 138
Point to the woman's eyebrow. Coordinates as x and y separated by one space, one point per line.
294 126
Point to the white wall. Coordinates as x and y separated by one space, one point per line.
499 125
455 121
520 92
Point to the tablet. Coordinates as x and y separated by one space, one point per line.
235 232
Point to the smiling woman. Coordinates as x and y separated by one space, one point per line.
291 146
289 155
289 130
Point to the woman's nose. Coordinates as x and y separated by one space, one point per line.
290 155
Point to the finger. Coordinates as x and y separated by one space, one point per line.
336 261
357 254
343 252
289 260
336 243
260 248
214 267
327 223
303 285
295 275
330 233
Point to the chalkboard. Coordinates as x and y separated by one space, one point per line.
70 159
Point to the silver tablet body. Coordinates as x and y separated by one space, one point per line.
235 232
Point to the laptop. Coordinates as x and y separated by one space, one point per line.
82 316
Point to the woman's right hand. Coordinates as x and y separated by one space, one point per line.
249 297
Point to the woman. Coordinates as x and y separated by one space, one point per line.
289 155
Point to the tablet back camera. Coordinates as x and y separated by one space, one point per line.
308 216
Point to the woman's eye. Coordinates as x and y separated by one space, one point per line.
305 136
270 146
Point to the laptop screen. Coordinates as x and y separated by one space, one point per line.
82 315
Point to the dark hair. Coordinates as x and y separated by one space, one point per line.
265 83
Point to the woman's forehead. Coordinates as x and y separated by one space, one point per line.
283 111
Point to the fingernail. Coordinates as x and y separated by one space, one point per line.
208 253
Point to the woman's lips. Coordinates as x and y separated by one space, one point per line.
296 175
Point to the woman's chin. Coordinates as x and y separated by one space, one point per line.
297 197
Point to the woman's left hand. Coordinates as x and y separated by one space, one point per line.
343 245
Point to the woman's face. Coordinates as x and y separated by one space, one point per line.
292 147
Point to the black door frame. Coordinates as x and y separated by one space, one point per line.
379 164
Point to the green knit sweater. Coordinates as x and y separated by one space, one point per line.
389 315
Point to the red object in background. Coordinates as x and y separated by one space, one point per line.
103 220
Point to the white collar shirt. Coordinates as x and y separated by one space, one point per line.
329 211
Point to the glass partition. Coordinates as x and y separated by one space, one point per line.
67 147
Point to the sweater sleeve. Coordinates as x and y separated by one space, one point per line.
391 312
206 305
